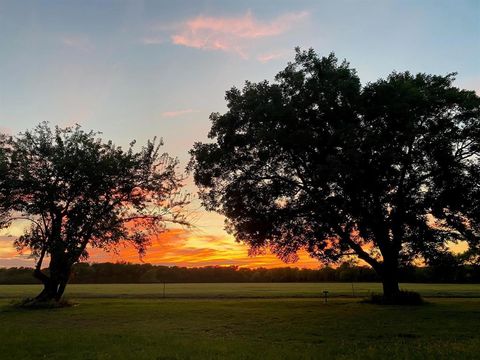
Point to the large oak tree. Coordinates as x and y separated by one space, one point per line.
77 192
388 172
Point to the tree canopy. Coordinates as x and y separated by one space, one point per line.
4 207
388 172
79 192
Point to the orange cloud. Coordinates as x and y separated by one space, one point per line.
232 34
7 250
9 257
177 247
180 247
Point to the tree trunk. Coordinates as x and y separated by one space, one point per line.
390 279
54 284
390 286
49 292
61 289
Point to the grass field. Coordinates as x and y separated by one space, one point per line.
241 290
241 321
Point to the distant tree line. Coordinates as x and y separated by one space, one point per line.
107 273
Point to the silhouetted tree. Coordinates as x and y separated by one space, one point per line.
4 204
388 172
79 192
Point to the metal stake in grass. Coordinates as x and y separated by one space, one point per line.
325 294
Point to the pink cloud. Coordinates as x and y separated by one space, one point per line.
178 112
264 58
232 34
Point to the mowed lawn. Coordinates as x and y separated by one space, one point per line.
240 290
240 321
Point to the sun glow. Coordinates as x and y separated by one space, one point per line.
179 247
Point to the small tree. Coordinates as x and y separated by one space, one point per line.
78 192
388 172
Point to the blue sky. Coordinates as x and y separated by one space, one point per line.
138 69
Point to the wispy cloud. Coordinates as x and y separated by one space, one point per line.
78 42
264 58
232 34
170 114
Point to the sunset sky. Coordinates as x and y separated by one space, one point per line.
138 69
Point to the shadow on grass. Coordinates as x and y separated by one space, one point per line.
402 298
33 304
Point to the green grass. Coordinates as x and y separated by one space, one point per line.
240 321
239 290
